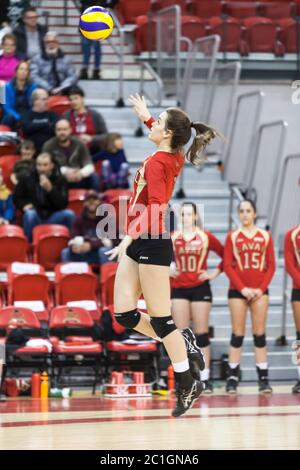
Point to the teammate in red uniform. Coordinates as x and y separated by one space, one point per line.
146 252
191 293
292 266
249 263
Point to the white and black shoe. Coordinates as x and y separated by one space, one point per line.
194 353
186 398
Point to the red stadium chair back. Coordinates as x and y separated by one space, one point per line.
206 9
30 287
261 35
21 317
76 200
159 4
13 245
7 163
73 287
130 9
288 34
7 148
112 194
276 10
145 35
192 27
230 33
240 9
4 128
64 316
108 274
48 242
59 104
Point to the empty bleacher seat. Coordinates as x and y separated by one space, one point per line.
240 9
48 242
205 9
262 36
7 163
288 34
276 10
230 31
129 10
28 286
13 244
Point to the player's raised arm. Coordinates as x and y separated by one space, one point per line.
140 107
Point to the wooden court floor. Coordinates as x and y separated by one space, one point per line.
247 421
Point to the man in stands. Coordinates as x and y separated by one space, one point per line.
87 124
30 35
73 157
53 69
85 245
38 124
43 196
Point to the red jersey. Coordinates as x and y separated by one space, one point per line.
191 256
249 262
153 187
292 255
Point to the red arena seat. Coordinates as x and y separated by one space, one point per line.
230 31
262 36
48 242
240 9
7 163
129 10
28 284
288 34
14 245
59 104
206 9
76 200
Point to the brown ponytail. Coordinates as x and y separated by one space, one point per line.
179 123
204 136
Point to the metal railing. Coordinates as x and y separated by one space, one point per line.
242 136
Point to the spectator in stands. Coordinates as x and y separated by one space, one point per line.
43 196
7 210
30 35
73 157
38 124
85 244
14 10
87 124
25 166
114 172
53 69
18 96
8 60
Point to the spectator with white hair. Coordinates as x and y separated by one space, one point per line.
53 69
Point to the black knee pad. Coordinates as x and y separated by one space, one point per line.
236 341
128 319
203 340
298 335
163 326
259 341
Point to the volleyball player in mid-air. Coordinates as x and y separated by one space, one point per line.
146 252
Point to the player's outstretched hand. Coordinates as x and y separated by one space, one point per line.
140 107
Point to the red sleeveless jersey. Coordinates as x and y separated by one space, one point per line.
153 187
292 255
191 256
249 262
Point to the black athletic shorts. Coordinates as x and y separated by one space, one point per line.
157 251
295 295
235 294
201 293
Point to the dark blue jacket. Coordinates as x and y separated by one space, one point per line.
7 210
11 93
115 159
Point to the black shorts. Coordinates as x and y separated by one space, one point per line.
235 294
157 251
295 295
201 293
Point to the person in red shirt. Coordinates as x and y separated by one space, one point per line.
146 252
191 293
249 262
292 266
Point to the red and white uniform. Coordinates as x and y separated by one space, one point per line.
191 256
249 262
292 255
153 187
